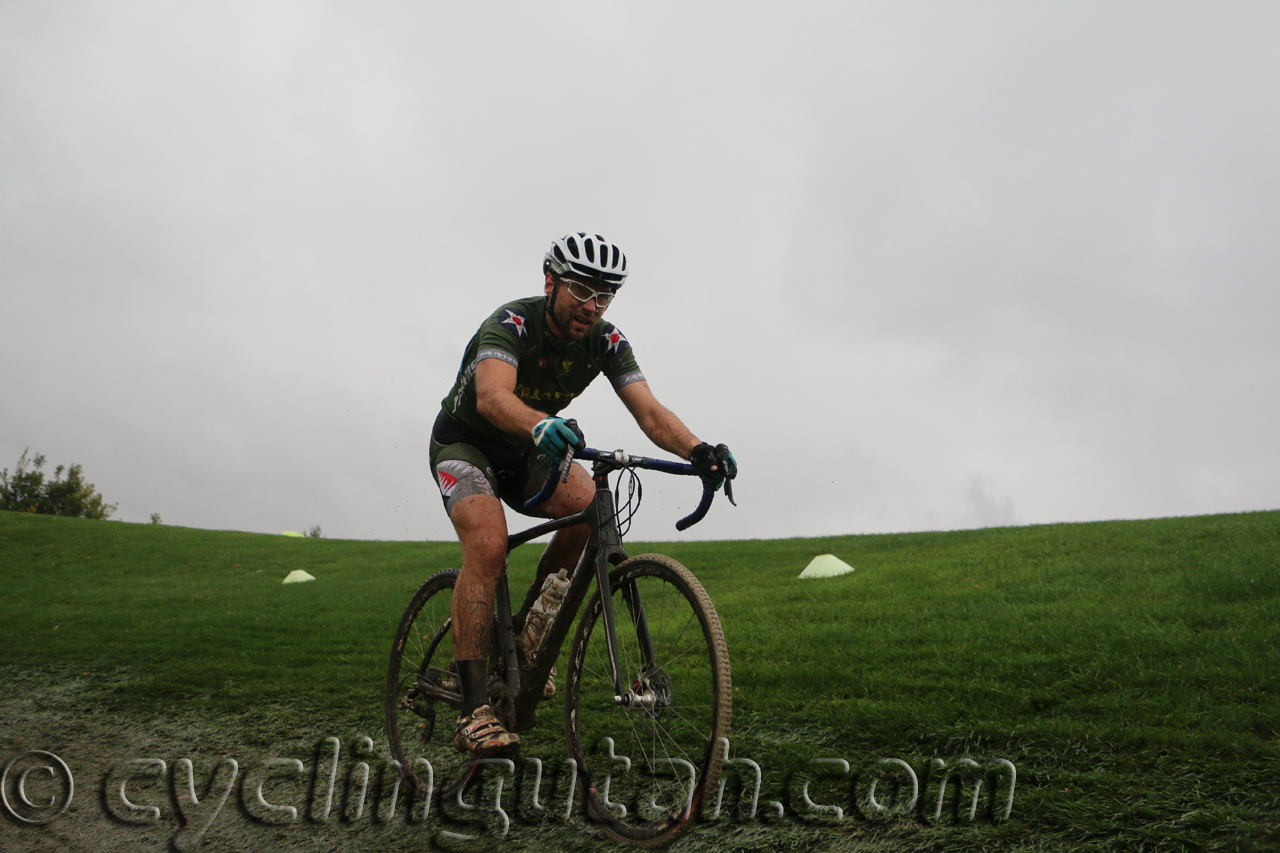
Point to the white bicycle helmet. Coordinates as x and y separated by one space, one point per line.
589 256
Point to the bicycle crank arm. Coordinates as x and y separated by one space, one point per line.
426 690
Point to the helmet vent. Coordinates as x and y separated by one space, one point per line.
590 248
573 247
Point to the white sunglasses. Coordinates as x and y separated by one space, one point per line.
582 293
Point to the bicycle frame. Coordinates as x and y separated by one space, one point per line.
603 549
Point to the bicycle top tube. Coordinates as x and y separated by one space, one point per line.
617 460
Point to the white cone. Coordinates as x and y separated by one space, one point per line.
826 566
298 576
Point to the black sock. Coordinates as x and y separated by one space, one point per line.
475 692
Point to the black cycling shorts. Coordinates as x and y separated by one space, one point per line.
464 463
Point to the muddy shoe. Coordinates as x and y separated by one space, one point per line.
481 735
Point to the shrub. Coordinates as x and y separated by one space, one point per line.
27 490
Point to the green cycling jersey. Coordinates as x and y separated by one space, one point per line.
550 371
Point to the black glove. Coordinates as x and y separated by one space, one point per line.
704 457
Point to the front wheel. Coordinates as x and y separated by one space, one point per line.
647 758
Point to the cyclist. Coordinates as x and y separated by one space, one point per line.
498 433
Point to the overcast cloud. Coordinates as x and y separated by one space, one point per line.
921 265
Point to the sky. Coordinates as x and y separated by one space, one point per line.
921 265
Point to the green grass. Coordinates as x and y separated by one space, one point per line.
1131 670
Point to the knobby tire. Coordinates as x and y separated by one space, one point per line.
655 800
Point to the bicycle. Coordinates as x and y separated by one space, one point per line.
647 685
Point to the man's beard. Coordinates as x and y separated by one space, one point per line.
564 314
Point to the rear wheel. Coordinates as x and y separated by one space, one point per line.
423 694
646 763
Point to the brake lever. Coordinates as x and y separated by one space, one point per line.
728 491
566 464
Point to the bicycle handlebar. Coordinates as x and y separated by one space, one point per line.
559 474
620 459
708 493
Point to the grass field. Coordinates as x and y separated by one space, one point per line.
1130 671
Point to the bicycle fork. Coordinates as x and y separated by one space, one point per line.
611 552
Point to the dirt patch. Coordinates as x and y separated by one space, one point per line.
266 783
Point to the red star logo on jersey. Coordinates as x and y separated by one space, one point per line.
517 321
614 341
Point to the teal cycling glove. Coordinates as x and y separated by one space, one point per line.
555 435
